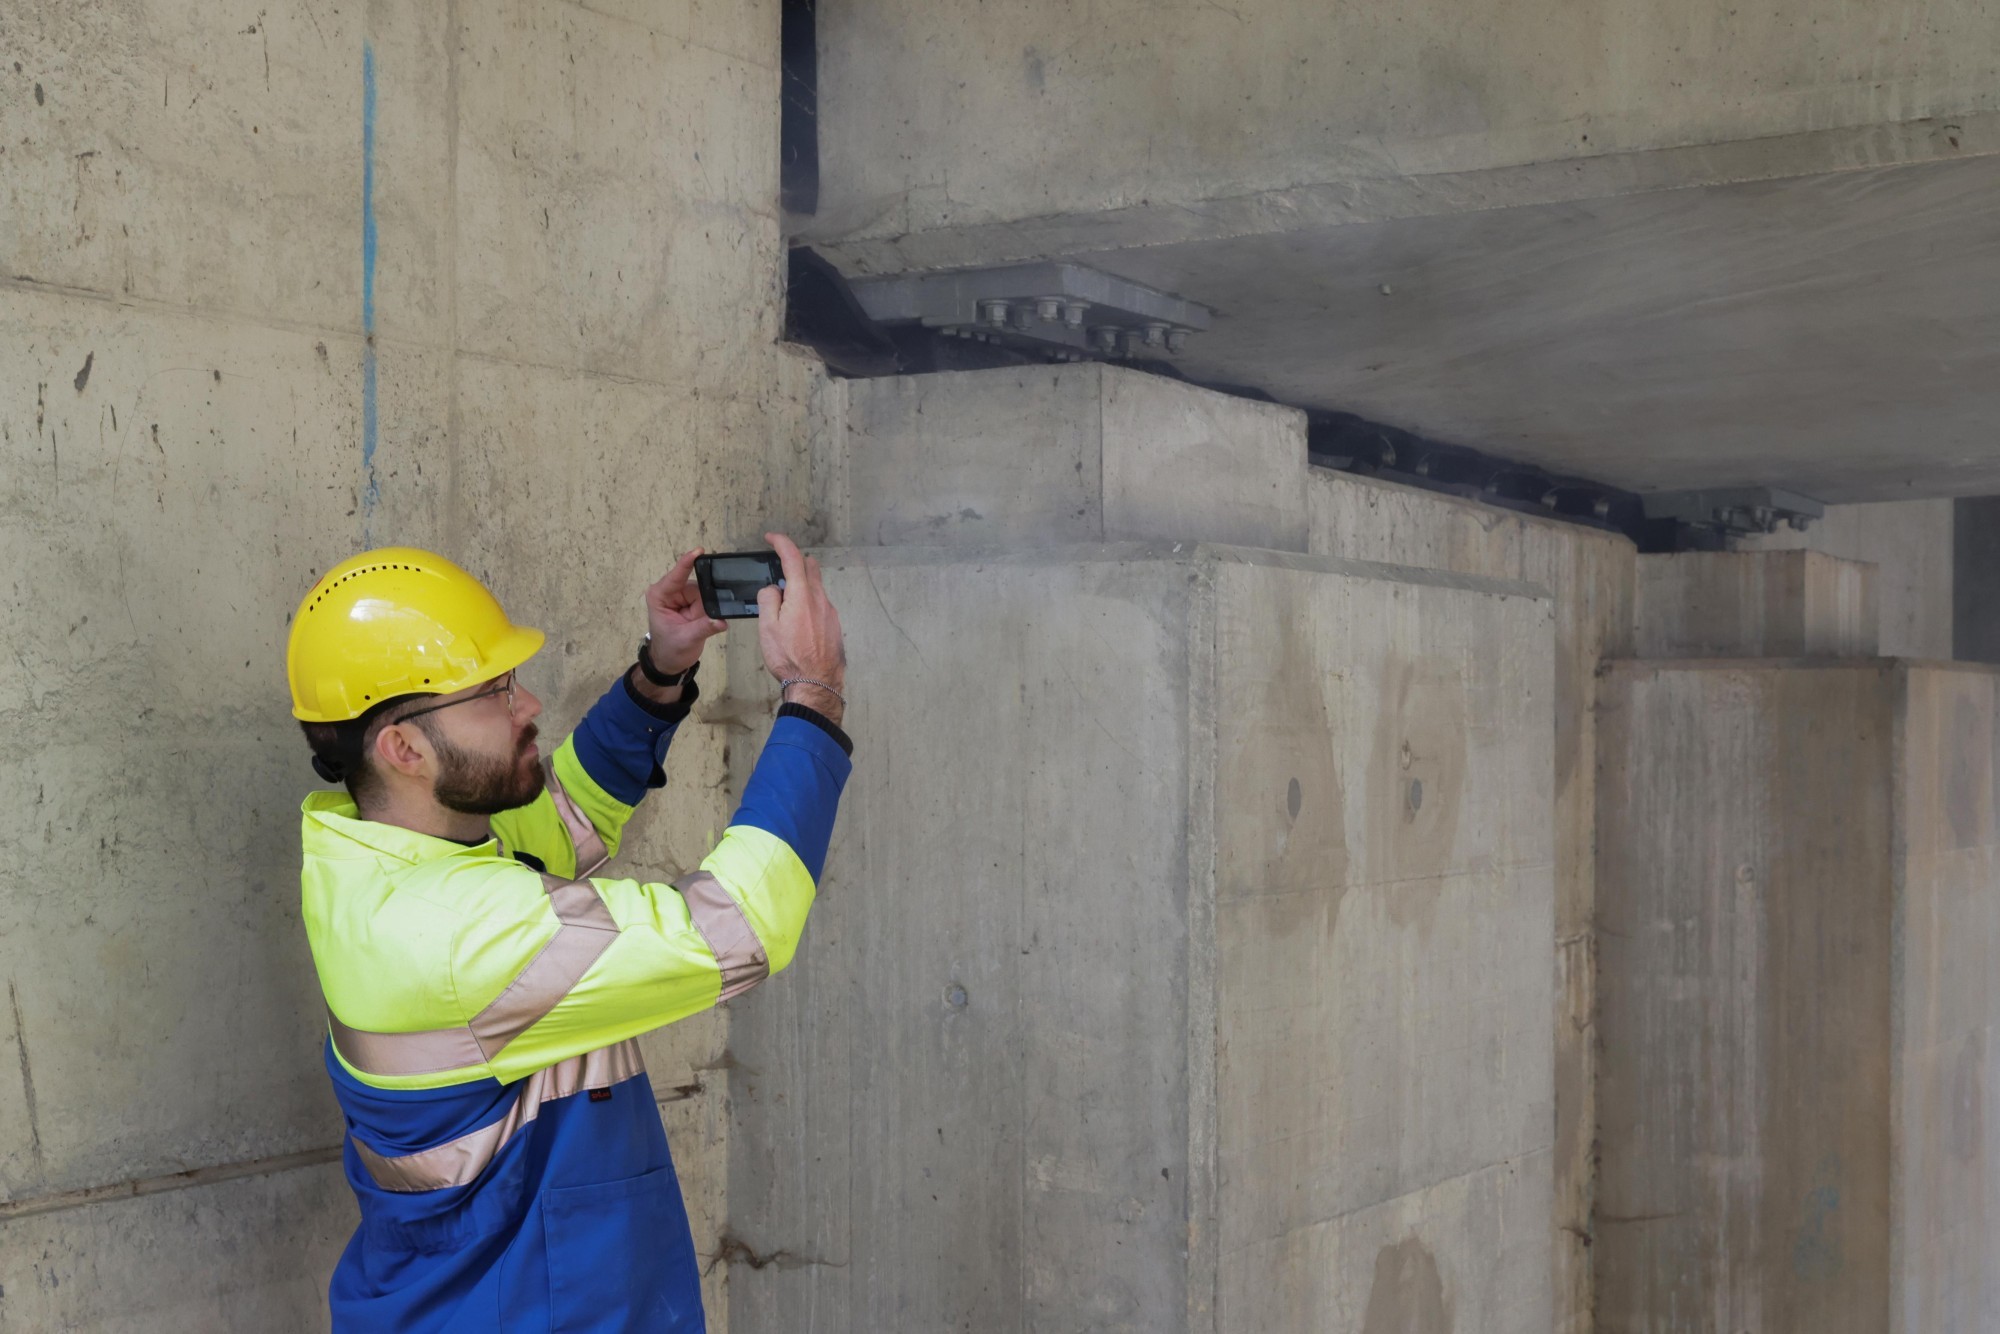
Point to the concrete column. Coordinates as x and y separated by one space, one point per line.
1797 875
1742 604
1975 590
1910 544
1185 959
1589 576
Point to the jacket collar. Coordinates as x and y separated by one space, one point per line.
333 827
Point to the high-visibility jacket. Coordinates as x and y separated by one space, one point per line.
483 1004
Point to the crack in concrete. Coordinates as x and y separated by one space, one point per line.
27 1078
734 1250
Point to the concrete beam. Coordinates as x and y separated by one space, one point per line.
954 138
1662 248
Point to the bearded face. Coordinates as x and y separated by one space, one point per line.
480 783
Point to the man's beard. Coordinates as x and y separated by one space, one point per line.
483 784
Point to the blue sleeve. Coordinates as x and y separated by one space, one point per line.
622 744
794 792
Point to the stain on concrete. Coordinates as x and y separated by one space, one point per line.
1415 778
83 376
1407 1296
1295 833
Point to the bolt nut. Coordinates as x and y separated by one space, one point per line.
994 313
1156 334
1106 339
1601 507
1177 341
1049 309
1073 313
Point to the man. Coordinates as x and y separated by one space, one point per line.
483 997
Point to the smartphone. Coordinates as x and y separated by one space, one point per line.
729 581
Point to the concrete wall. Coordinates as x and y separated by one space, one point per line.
1185 962
1589 575
1910 542
1796 896
569 375
1037 126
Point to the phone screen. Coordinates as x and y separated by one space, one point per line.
729 583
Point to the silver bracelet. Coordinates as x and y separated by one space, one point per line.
783 686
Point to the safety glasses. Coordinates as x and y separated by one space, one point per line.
503 686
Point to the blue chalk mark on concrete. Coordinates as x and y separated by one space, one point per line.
1816 1250
371 490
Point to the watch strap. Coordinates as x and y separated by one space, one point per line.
658 677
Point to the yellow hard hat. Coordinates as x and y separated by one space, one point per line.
396 621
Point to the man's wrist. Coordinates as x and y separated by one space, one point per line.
647 690
818 696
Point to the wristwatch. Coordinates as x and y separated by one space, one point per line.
658 677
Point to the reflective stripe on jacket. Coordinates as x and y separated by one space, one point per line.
483 1005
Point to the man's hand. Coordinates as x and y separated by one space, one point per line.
674 615
799 632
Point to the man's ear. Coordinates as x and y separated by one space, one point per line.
402 748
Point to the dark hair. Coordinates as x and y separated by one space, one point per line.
341 751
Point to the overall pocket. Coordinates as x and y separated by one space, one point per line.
621 1260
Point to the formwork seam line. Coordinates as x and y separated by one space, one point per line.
200 1176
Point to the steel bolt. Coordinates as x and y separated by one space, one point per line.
1106 339
1073 313
1049 309
1156 334
995 312
1177 341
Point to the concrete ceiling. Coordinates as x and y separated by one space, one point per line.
1837 335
